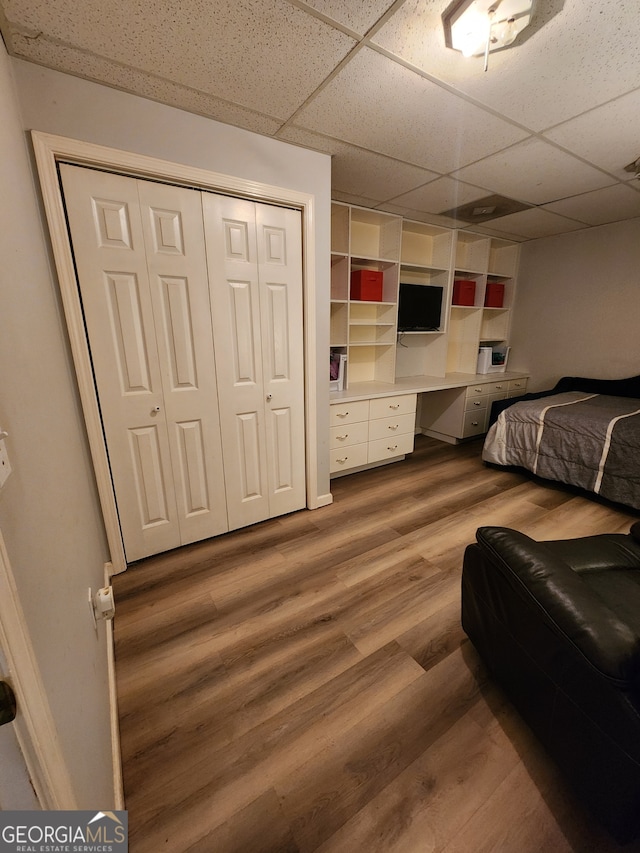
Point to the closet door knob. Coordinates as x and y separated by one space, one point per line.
268 398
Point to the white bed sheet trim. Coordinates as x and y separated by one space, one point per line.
541 422
607 445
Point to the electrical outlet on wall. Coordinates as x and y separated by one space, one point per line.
5 465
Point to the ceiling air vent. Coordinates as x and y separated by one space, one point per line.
484 209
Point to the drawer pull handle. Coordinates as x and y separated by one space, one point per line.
394 405
341 461
342 414
477 403
395 447
499 387
474 423
394 426
342 437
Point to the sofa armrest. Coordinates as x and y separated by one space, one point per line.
567 604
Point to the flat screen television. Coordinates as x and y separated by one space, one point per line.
419 307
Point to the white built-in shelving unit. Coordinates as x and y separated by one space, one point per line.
423 254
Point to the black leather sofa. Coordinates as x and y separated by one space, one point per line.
558 625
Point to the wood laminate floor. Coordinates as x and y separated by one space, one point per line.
305 685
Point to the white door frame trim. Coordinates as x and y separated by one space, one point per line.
34 725
49 150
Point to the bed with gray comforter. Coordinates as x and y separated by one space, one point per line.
585 439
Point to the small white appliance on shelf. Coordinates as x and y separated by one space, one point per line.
484 359
338 364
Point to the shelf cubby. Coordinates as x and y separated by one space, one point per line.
421 354
503 258
426 246
340 276
464 337
340 228
472 252
339 328
495 324
375 235
480 280
371 363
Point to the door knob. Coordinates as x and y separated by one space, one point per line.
7 703
155 410
268 398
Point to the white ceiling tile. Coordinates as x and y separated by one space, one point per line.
404 114
535 172
376 103
361 172
492 232
533 223
443 194
590 135
225 49
610 204
80 64
359 17
575 55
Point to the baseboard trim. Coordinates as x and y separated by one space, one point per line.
322 500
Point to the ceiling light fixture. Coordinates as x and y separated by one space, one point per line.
476 27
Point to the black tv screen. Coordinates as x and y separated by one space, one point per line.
419 307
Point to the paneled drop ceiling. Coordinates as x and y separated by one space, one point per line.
412 126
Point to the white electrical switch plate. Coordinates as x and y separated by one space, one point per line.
5 466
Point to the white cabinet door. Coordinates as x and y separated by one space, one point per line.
142 273
255 275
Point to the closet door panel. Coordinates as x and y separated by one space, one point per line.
280 282
178 275
109 251
230 236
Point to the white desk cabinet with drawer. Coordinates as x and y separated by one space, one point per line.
457 413
368 432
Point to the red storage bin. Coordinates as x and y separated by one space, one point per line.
494 295
464 291
366 285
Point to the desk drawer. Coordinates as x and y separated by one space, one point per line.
348 457
472 404
474 423
388 427
348 413
387 448
384 407
517 386
476 390
348 434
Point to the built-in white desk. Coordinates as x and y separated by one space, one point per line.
375 422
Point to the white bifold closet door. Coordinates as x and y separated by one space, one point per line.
150 312
255 259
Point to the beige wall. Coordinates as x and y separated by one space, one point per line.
49 514
67 106
577 310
